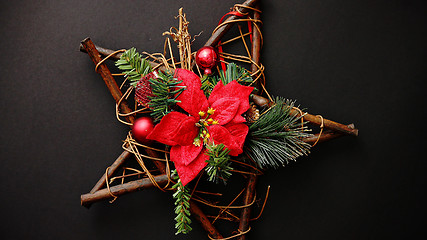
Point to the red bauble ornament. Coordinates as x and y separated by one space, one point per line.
207 58
141 128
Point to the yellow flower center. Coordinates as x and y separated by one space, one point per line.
202 124
211 111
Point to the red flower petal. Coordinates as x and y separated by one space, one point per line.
239 132
185 154
192 98
189 172
234 90
231 135
225 109
175 129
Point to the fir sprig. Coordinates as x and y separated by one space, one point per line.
182 210
276 137
208 83
133 65
218 168
165 90
235 72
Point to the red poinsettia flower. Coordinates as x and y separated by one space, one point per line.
209 121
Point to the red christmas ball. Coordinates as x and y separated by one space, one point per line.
141 128
207 58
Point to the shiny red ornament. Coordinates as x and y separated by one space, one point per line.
207 58
141 128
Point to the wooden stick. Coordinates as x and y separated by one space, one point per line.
245 214
106 76
216 36
256 42
141 184
102 51
117 190
248 198
256 48
116 164
115 91
325 136
264 102
105 52
204 221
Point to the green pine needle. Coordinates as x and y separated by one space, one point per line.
276 137
235 72
218 168
133 65
182 202
208 83
165 90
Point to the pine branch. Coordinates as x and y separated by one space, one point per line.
235 72
133 65
218 167
165 90
182 210
276 137
208 83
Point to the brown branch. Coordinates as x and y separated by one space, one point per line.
216 36
102 51
245 214
325 136
118 190
264 102
203 219
115 92
106 76
105 52
256 47
248 198
116 164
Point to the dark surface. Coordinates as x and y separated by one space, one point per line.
361 62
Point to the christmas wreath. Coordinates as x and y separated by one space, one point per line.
205 114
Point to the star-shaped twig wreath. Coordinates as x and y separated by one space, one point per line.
208 115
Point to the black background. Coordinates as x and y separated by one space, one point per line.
361 62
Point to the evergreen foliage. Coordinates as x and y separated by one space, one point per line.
165 90
235 72
208 83
182 210
218 168
133 65
276 137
